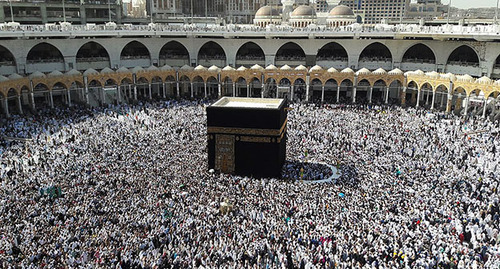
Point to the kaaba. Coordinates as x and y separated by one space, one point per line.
247 136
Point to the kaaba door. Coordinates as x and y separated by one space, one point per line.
224 153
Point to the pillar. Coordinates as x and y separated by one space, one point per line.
234 89
118 94
418 97
338 93
403 97
427 99
192 90
370 95
458 103
263 89
219 89
387 95
177 85
484 107
433 99
442 100
69 96
248 90
51 99
307 88
19 105
164 93
86 93
5 105
466 105
205 89
322 93
291 93
135 92
448 103
150 93
354 89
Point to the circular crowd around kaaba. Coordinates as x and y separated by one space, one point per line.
129 187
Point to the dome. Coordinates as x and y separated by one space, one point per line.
122 70
300 68
2 78
465 78
285 67
17 76
484 80
419 73
152 68
363 71
266 11
396 72
37 74
341 10
165 68
241 68
107 70
186 68
347 70
55 73
257 67
271 67
228 68
433 74
213 68
332 70
380 71
302 11
137 69
73 72
200 68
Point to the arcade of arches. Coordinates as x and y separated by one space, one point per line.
447 92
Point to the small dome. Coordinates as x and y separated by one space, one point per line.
497 83
484 80
55 73
419 73
107 70
410 73
302 11
316 68
186 67
396 72
241 68
200 68
37 74
379 71
152 68
137 69
285 67
341 10
300 68
433 74
166 68
2 78
363 71
451 76
228 68
266 11
271 67
17 76
465 78
257 67
73 72
213 68
347 70
333 70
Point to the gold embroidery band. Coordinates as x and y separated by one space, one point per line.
247 131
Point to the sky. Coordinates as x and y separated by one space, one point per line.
470 3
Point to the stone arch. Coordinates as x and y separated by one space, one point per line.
6 57
249 54
346 90
135 54
271 88
419 56
376 55
227 89
316 88
332 55
44 57
211 53
255 87
379 91
362 90
241 87
92 55
174 54
212 87
290 53
463 60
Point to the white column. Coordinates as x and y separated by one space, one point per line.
164 93
263 89
86 92
484 107
442 100
370 95
135 92
291 93
427 99
248 90
418 97
205 88
433 99
338 93
150 93
307 89
192 90
354 89
322 93
5 105
118 93
234 89
51 99
19 105
219 89
466 105
69 96
387 95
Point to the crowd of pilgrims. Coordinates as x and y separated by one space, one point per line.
129 187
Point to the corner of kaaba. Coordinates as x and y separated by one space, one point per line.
247 136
